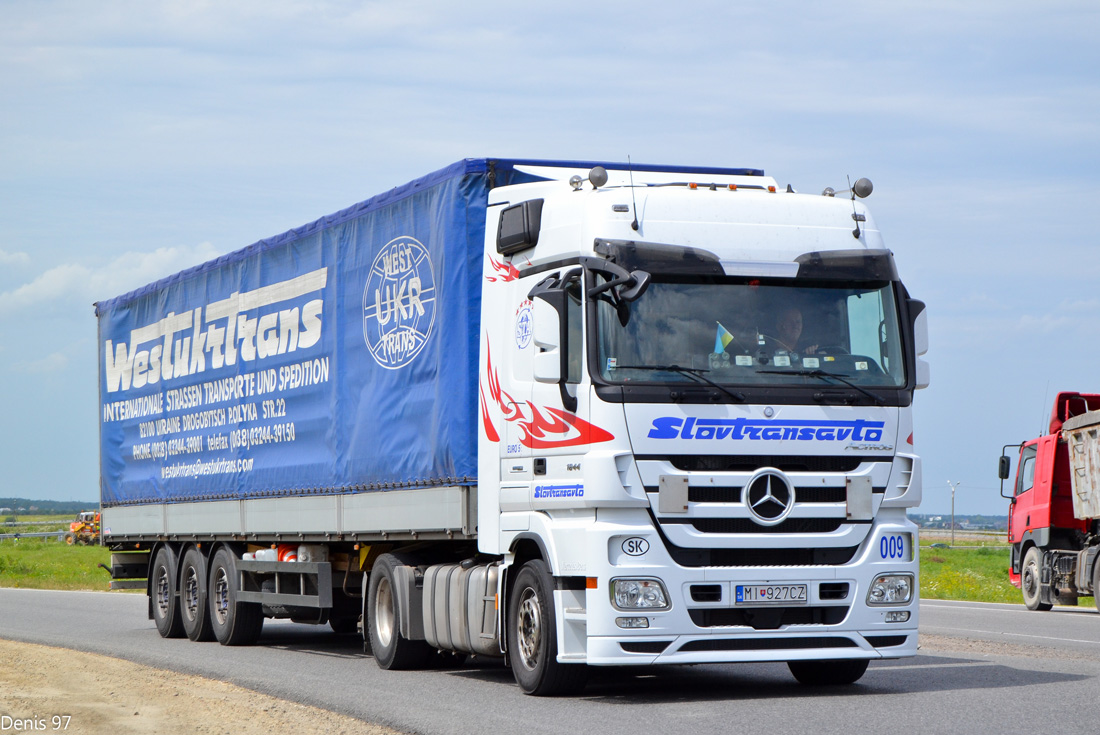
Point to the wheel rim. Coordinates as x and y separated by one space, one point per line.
529 629
221 596
1031 584
191 594
383 613
163 595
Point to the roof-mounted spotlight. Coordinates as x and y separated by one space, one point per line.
861 189
598 176
576 182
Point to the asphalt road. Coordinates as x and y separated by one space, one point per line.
985 669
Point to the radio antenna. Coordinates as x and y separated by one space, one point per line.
855 233
630 169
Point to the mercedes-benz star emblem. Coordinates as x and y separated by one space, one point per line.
769 497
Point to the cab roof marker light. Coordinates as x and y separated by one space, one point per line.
733 187
693 185
771 189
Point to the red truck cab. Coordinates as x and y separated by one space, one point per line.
1040 515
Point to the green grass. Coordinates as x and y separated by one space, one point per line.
977 575
971 574
49 564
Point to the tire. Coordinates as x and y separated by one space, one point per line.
1096 583
70 539
1030 581
162 595
532 636
828 673
194 609
391 650
234 623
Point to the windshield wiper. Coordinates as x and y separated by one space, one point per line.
825 375
695 373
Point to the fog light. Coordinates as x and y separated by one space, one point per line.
632 622
891 589
635 594
897 616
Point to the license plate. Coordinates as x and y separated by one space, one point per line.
769 594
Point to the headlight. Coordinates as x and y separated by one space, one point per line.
891 589
638 594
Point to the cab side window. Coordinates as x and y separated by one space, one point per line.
1025 480
574 319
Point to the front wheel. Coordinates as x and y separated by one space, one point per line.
1030 581
1096 584
830 673
532 636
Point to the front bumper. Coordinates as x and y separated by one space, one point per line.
703 623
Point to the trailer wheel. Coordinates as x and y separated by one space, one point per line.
391 650
234 623
532 636
162 590
195 611
828 673
1030 581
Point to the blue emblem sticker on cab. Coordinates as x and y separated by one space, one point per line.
524 328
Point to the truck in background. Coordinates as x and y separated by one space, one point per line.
1054 514
566 413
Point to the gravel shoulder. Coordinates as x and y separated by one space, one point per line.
59 690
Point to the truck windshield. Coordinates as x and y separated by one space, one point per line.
754 332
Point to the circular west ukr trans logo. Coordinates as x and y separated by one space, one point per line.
399 303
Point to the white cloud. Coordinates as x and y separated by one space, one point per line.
52 363
10 259
76 282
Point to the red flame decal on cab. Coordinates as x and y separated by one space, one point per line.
542 428
507 271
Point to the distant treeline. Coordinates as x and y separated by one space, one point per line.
977 522
26 506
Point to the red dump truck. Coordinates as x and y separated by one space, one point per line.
1054 516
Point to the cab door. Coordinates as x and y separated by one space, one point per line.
558 430
1023 496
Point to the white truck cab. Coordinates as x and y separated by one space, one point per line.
726 485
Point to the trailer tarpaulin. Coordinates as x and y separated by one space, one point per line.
339 357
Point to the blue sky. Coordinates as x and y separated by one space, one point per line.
138 138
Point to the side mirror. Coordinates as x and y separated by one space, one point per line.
919 320
641 281
920 327
547 338
550 335
1004 466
